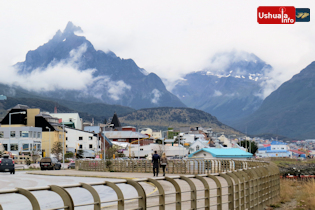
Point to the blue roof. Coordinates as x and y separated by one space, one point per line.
264 148
277 151
278 143
225 153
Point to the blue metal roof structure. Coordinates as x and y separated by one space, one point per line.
278 143
225 153
108 141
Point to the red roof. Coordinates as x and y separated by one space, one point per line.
266 145
297 151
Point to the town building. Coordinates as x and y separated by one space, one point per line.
71 120
22 140
276 149
23 116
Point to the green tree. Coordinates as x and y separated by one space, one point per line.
69 155
57 150
250 145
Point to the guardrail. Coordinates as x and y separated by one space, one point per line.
190 166
251 188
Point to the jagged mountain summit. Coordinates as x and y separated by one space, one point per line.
114 80
230 88
288 111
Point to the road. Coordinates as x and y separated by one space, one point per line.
48 199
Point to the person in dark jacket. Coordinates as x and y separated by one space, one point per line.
156 163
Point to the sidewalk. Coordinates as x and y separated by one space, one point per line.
97 174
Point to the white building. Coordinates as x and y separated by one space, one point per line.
21 140
198 145
81 140
69 118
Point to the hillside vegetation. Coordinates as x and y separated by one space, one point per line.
164 117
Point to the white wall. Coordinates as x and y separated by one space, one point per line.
66 117
87 139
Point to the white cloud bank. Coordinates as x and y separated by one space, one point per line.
58 75
156 96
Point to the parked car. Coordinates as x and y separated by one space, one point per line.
71 166
47 163
7 165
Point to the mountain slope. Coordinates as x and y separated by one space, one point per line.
164 117
114 80
289 110
228 89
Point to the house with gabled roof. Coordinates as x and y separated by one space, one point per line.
221 153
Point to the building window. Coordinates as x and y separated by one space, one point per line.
66 138
204 154
59 136
31 134
24 134
26 147
90 146
197 147
80 138
14 147
1 134
66 146
141 149
34 134
39 147
80 146
90 137
5 146
12 133
99 147
38 135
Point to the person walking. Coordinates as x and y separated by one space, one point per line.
163 162
156 163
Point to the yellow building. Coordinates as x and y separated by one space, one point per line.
52 131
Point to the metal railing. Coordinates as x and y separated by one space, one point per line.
190 166
250 188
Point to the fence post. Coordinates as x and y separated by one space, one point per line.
161 192
219 191
193 195
65 196
95 195
236 189
141 193
230 190
120 195
207 193
30 197
178 192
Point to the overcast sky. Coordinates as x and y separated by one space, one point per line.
169 38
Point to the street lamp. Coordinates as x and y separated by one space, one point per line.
63 147
49 141
9 146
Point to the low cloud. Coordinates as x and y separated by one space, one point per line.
156 96
217 93
64 74
117 89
